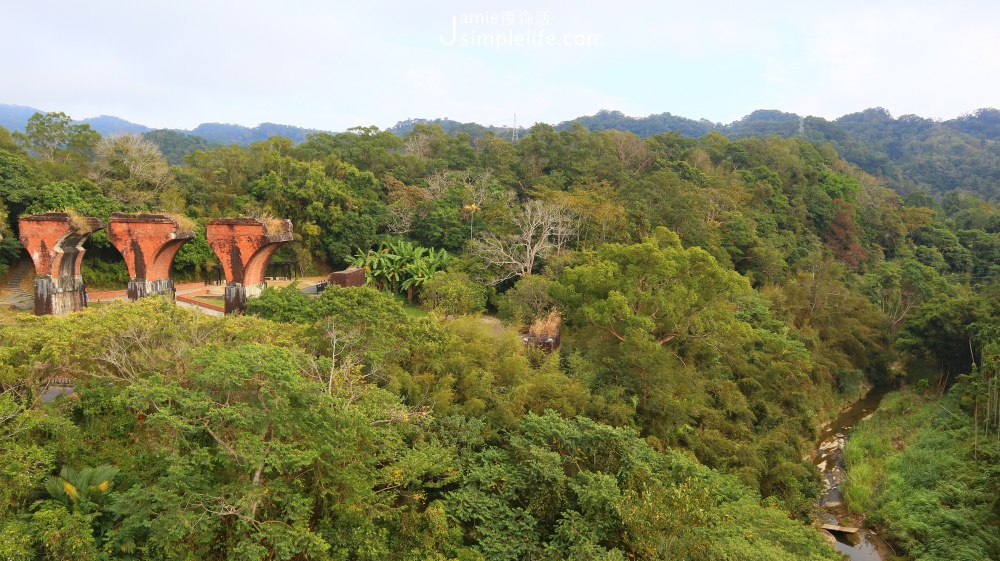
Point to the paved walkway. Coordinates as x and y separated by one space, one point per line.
16 297
203 309
185 293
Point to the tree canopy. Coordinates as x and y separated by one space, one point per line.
717 299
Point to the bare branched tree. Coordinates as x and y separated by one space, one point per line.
130 169
536 228
437 184
418 144
566 225
632 151
406 203
400 219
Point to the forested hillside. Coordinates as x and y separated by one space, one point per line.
716 300
910 153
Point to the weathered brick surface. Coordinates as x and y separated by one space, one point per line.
244 246
149 243
55 243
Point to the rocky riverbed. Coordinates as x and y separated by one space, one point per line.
863 545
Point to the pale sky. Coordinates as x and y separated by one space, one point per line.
333 65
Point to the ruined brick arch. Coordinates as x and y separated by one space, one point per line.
55 241
257 264
244 246
164 258
68 253
148 243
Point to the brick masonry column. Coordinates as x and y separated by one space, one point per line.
244 246
55 242
148 242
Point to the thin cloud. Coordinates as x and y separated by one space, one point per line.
332 66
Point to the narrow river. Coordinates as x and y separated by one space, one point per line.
829 459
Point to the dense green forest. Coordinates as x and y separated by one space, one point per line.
718 299
910 153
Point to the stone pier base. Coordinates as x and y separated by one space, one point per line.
148 242
236 298
236 295
244 246
142 288
58 296
55 241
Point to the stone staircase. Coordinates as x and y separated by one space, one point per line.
16 296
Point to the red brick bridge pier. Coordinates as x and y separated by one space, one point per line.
148 242
54 241
244 246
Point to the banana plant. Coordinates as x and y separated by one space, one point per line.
425 264
400 265
381 267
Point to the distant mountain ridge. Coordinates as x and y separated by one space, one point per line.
238 134
402 128
15 117
108 125
910 152
643 126
982 123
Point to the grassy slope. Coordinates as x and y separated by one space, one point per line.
912 472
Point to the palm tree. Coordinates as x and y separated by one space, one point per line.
86 493
82 491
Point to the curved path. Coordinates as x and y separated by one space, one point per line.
16 297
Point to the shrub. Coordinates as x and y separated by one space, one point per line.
453 294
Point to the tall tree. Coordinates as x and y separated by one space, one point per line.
532 239
657 290
54 138
131 170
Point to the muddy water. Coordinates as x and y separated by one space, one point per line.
829 459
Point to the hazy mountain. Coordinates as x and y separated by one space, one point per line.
474 130
642 126
910 152
765 122
984 123
237 134
108 125
759 123
14 117
174 145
